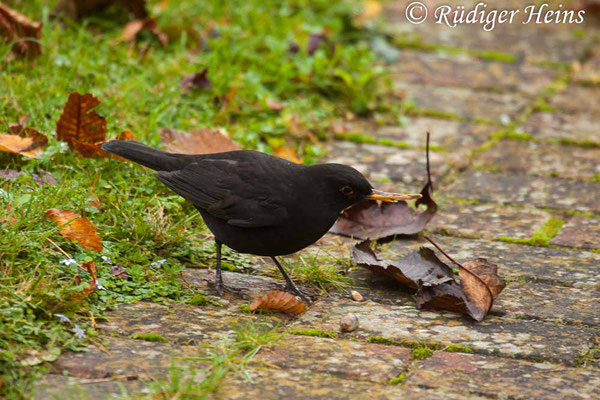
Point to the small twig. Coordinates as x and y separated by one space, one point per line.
463 268
428 168
93 320
66 254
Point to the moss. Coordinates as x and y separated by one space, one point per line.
578 143
412 344
543 106
455 348
366 139
436 114
559 66
150 337
421 353
397 380
245 308
493 55
483 121
314 332
490 168
198 300
512 135
540 237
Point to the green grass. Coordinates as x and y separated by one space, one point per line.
398 379
314 332
150 337
322 271
421 353
139 220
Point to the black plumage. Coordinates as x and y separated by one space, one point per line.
256 203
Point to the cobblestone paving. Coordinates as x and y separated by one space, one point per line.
515 121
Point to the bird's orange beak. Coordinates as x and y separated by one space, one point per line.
391 197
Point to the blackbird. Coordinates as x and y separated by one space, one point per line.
256 203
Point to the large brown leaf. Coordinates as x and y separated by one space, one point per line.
279 301
20 30
473 293
372 220
203 141
75 227
78 125
25 141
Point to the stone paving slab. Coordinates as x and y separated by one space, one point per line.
341 358
383 163
178 323
578 100
546 192
547 265
293 384
464 102
530 42
53 387
579 231
464 71
494 336
542 159
122 358
490 221
559 126
454 136
505 378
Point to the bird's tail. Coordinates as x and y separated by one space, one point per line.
147 156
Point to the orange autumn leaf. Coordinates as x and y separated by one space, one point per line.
203 141
288 154
279 301
20 30
25 141
79 126
92 283
76 228
132 30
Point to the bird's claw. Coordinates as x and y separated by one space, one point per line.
293 289
221 288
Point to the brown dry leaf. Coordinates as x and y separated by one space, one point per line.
79 229
287 154
92 283
25 141
41 178
202 141
279 301
76 9
199 80
372 220
9 216
132 30
435 283
274 105
83 129
23 32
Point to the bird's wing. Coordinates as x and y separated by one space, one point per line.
233 190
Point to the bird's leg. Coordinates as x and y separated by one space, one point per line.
219 277
290 285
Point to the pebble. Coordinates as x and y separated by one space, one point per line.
356 296
349 323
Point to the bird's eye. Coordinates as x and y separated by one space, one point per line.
347 190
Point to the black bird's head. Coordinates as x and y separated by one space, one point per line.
344 186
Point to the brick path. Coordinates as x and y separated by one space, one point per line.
518 145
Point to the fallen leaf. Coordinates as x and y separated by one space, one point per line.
25 141
76 9
83 129
20 30
92 283
287 154
202 141
273 105
132 30
120 272
372 220
77 228
9 216
43 178
436 285
279 301
199 80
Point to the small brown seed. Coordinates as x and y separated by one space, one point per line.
349 323
356 296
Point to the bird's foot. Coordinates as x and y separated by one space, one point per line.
293 289
221 288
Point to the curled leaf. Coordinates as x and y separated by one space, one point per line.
372 220
25 141
279 301
76 228
133 29
203 141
